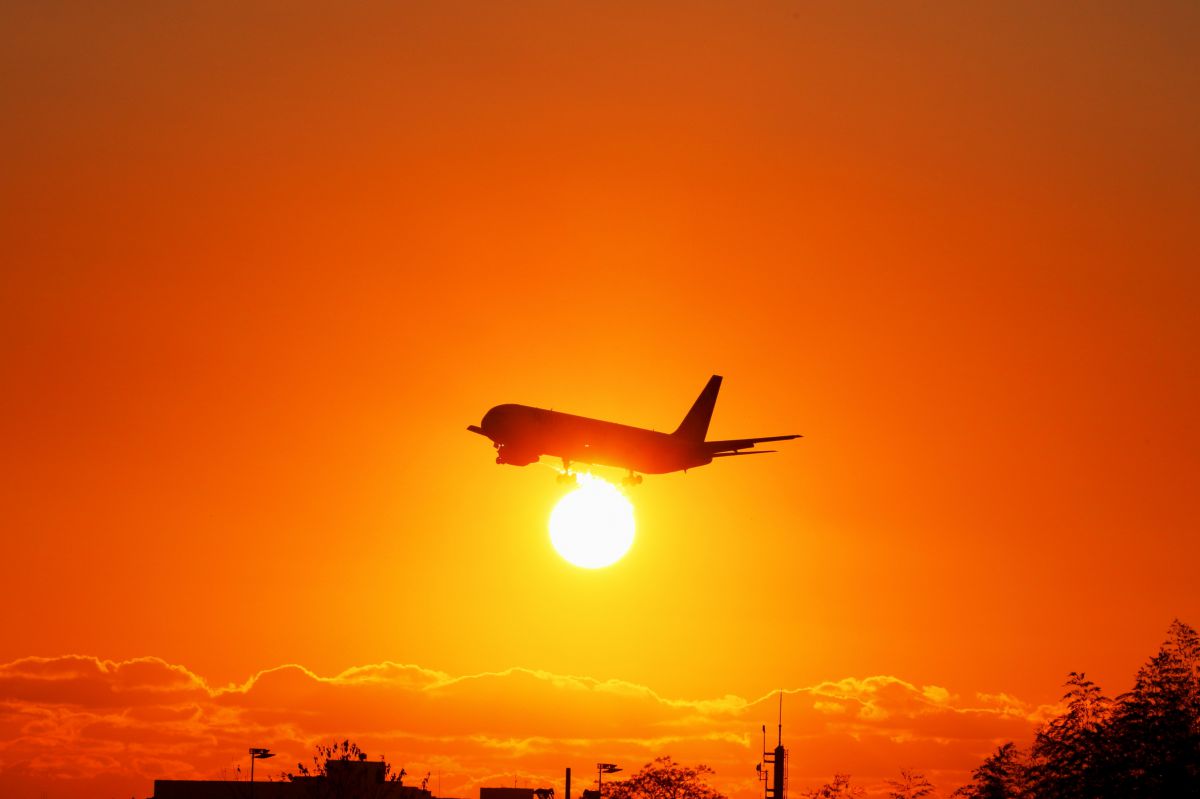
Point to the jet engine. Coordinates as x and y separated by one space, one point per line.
513 457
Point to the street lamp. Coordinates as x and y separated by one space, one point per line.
257 753
601 770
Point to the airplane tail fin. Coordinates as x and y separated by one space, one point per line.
694 426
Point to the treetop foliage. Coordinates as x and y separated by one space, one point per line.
664 779
346 750
1144 743
840 788
911 785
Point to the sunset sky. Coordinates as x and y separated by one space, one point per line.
264 262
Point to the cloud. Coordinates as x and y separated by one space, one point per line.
76 725
89 681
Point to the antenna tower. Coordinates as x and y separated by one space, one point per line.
772 771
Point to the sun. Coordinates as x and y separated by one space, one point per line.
592 526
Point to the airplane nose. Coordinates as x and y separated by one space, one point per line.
495 421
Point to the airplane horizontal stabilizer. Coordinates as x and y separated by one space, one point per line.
742 443
755 452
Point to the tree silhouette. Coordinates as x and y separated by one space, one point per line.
1154 737
1001 776
344 751
1145 744
840 788
664 779
911 785
1070 758
325 782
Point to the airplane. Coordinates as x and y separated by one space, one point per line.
522 434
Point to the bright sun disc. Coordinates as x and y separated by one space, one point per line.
592 526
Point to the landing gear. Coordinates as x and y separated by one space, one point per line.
631 480
567 476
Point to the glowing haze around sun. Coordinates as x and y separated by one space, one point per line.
592 526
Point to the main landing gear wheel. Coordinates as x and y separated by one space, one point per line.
631 480
567 476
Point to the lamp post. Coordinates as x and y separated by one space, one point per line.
601 770
257 753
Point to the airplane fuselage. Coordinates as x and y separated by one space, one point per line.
522 434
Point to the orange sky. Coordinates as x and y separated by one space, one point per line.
264 264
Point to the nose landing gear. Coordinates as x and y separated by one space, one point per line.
631 480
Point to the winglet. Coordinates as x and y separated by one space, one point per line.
694 426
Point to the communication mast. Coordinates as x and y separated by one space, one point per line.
774 779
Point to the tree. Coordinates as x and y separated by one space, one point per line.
664 779
1001 776
911 785
345 751
1069 756
840 788
327 779
1154 738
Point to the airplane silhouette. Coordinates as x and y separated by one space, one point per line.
522 434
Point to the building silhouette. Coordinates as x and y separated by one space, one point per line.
506 793
343 779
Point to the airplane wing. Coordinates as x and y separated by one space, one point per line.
731 446
752 452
